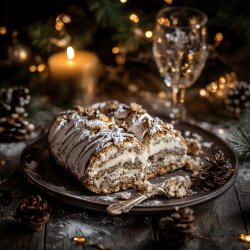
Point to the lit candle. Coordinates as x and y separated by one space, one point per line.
72 64
76 73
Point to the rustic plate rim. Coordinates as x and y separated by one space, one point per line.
101 205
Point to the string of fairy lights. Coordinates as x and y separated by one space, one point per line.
119 50
61 20
216 89
219 88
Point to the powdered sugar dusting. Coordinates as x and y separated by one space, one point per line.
244 173
153 202
31 165
109 135
81 136
198 138
72 228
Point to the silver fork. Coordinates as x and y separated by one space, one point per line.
177 186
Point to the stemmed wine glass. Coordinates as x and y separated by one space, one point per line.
180 51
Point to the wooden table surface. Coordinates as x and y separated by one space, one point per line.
218 222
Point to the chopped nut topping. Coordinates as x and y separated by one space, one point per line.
124 125
79 109
125 196
134 107
145 123
104 118
194 147
91 113
113 126
112 106
63 118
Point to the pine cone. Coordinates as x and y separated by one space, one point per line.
33 212
238 99
215 172
14 122
13 98
178 228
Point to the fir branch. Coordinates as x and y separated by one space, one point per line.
243 119
45 38
107 12
81 39
130 38
240 136
40 34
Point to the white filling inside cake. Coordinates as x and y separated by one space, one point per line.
126 156
169 144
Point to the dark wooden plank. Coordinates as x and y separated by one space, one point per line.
15 236
123 232
243 191
229 214
216 243
12 234
218 224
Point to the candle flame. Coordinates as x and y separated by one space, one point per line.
70 53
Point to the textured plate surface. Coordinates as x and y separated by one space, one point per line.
45 174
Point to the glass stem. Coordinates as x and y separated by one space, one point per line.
178 98
178 95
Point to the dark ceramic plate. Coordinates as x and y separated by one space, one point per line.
45 174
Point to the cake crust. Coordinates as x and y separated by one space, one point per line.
110 146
